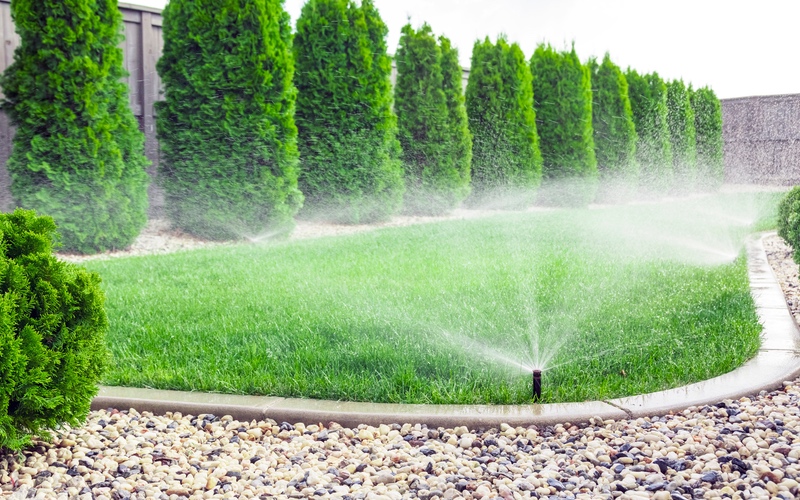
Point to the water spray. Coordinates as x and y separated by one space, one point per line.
537 385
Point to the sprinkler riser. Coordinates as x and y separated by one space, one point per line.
537 385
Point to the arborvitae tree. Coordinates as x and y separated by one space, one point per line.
435 179
562 93
458 138
226 128
506 161
350 166
708 127
648 95
680 118
78 154
612 121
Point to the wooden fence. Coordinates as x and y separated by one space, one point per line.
141 49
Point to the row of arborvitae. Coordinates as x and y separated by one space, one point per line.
256 123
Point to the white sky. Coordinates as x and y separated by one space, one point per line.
737 48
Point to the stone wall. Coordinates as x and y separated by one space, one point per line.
761 137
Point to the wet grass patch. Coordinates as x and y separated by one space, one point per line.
609 302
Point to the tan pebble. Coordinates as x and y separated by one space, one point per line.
181 492
483 491
211 483
662 495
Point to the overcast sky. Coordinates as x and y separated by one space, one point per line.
737 48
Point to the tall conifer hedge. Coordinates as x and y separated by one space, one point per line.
78 154
562 94
648 96
506 160
708 126
680 117
436 170
612 121
350 156
226 124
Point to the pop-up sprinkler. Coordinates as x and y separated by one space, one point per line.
537 385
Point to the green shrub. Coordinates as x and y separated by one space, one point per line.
350 166
562 93
708 127
648 96
506 161
52 333
226 127
789 220
680 118
78 154
431 122
612 121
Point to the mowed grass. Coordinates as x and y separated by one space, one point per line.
609 302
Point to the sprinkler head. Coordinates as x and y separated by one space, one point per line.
537 385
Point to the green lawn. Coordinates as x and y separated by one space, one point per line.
609 302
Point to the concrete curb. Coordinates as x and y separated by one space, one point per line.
777 360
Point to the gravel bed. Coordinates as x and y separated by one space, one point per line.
779 255
747 448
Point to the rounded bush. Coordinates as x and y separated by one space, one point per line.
52 333
789 220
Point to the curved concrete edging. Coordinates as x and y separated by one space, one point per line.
777 360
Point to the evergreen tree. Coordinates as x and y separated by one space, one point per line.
648 95
506 161
435 179
562 93
226 128
78 154
680 118
350 168
708 126
458 138
612 121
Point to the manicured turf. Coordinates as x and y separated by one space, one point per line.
609 302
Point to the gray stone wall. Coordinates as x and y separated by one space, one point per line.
761 137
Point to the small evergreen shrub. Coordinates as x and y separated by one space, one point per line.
226 124
431 124
347 132
562 92
648 96
680 117
52 333
506 161
78 154
789 220
612 122
708 127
